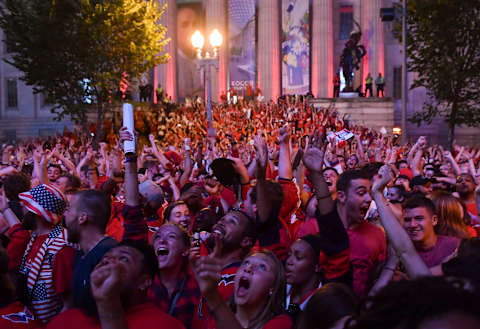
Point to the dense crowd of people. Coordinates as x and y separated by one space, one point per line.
290 217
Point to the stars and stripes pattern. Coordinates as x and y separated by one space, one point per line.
46 201
44 302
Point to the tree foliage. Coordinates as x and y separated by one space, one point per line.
443 48
76 52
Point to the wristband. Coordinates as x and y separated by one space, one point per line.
131 159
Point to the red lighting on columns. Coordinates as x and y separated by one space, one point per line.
276 69
366 33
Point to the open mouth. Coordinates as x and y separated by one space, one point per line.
162 251
220 230
243 286
364 210
329 183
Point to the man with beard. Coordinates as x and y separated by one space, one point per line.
86 219
367 242
39 250
237 234
466 191
236 231
174 288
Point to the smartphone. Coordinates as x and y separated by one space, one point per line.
142 171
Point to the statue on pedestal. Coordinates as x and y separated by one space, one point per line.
351 57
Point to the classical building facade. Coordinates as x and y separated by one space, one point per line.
330 23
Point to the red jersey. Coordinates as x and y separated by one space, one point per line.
202 318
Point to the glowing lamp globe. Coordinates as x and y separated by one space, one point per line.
198 40
216 39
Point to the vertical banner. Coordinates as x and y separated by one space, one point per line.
190 17
295 47
241 29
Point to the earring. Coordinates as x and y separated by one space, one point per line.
270 292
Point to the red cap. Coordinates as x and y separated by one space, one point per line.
173 157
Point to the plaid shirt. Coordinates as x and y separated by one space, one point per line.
189 297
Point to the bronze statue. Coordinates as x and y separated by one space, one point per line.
351 57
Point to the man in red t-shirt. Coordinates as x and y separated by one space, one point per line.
366 241
466 191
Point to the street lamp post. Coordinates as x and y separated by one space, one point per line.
205 61
404 73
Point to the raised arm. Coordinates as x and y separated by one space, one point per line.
43 167
421 140
396 234
284 161
187 163
264 205
313 160
131 175
448 155
360 151
416 164
68 164
158 154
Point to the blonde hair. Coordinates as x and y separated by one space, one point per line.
450 214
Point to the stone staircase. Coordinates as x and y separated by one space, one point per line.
369 112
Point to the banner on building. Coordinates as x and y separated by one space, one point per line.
295 47
190 17
242 45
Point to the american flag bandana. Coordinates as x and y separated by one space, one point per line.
46 201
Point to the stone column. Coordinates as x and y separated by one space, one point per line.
372 29
166 74
358 76
268 62
322 48
216 18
